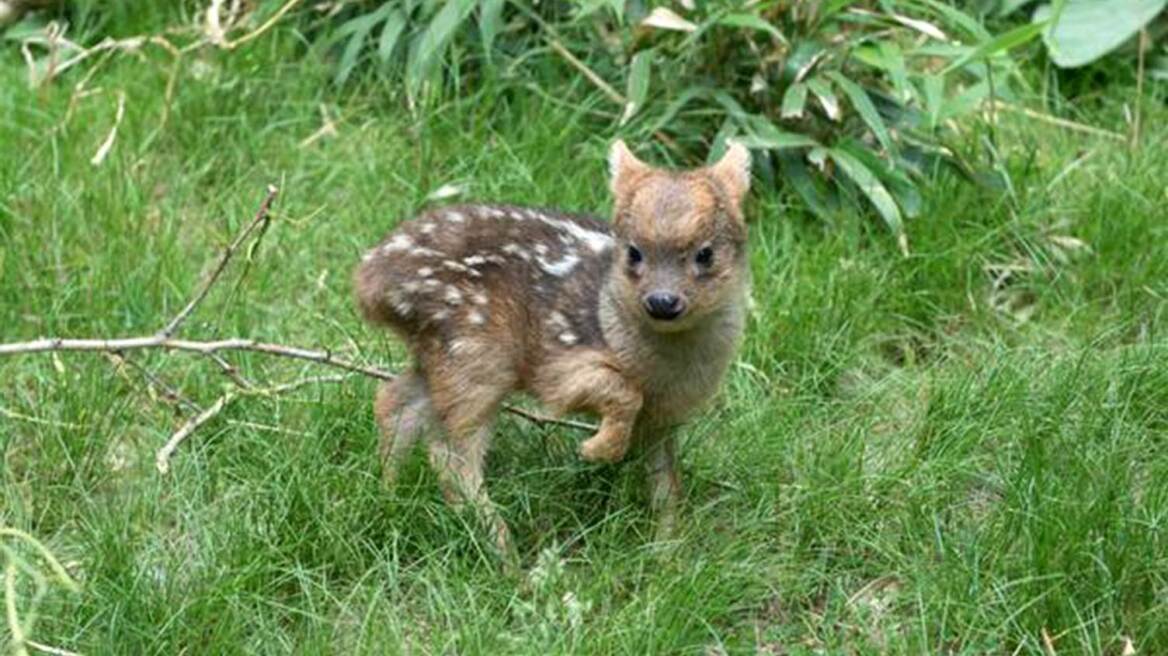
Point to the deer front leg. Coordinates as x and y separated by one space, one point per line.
618 416
588 380
664 479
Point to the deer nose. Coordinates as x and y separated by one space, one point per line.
664 306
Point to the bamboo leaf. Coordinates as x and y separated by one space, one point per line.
667 19
432 44
1001 43
876 192
761 133
752 21
863 105
1086 30
638 85
809 187
794 101
390 34
826 97
490 23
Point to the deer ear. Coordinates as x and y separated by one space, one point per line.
623 167
732 172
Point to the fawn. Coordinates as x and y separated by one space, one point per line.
635 321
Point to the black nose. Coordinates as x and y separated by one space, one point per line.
663 305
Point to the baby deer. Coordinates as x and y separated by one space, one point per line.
635 321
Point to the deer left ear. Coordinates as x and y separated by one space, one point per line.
624 169
732 172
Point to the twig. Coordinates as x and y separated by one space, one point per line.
1143 48
108 144
49 649
605 87
542 419
162 458
13 618
164 339
595 79
155 382
230 370
262 28
16 416
57 344
326 358
260 219
1060 122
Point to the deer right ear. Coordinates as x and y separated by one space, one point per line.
623 167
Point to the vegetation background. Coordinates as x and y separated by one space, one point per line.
947 431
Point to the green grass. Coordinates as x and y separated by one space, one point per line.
903 462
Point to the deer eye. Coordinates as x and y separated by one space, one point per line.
635 256
705 256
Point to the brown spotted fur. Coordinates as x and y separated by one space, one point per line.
493 299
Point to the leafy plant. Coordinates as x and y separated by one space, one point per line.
1085 30
412 36
1081 32
848 100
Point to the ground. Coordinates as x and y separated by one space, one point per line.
964 450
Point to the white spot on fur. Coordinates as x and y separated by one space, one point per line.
568 337
453 296
401 305
463 347
496 259
557 319
455 216
427 228
541 249
512 248
425 272
422 251
411 287
441 315
455 266
597 241
474 260
561 267
431 285
479 298
476 318
398 243
495 213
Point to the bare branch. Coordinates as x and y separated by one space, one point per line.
57 344
168 391
49 649
162 458
116 349
543 419
261 219
230 371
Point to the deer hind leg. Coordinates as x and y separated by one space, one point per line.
403 412
467 394
589 380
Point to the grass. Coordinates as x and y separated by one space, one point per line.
906 459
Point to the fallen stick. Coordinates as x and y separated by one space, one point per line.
162 458
165 339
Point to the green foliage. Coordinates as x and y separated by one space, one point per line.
1083 31
805 86
411 38
958 452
